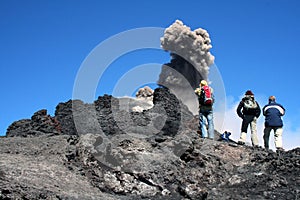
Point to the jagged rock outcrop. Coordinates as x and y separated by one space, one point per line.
39 124
105 116
154 154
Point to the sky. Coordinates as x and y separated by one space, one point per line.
44 44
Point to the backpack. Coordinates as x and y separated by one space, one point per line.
206 96
250 103
225 136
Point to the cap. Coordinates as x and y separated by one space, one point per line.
249 92
203 83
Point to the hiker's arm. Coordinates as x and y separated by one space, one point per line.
213 97
239 110
258 111
264 110
282 112
198 91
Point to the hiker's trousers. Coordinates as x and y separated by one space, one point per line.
249 120
277 136
206 116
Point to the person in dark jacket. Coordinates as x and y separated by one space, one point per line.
249 110
273 113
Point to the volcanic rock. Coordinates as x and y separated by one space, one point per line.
112 153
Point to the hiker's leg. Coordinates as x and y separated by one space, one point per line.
278 137
210 121
244 128
267 132
202 124
254 138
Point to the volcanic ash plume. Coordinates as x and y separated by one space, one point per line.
190 60
189 46
145 98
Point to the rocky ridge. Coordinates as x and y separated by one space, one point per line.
112 153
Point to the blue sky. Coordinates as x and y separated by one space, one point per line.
43 44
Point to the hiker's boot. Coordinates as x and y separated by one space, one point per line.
279 149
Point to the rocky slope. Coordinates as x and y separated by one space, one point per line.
101 151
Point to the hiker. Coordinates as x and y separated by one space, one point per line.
249 110
206 100
273 112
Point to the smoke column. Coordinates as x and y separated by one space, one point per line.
190 61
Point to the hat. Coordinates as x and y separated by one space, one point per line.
203 83
249 92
